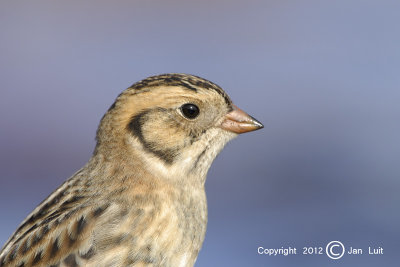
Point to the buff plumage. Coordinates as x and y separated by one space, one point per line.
140 199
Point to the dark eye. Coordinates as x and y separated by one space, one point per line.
190 111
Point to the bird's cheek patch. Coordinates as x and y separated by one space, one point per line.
156 134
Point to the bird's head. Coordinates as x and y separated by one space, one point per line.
174 124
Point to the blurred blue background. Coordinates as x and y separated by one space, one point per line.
323 77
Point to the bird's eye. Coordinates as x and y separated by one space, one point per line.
190 111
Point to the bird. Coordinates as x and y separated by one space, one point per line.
140 199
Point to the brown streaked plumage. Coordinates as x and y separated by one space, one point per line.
140 200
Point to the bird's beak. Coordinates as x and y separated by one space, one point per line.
238 121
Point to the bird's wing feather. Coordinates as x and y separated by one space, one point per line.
47 228
69 234
71 228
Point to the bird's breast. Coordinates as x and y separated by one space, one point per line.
161 228
182 225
